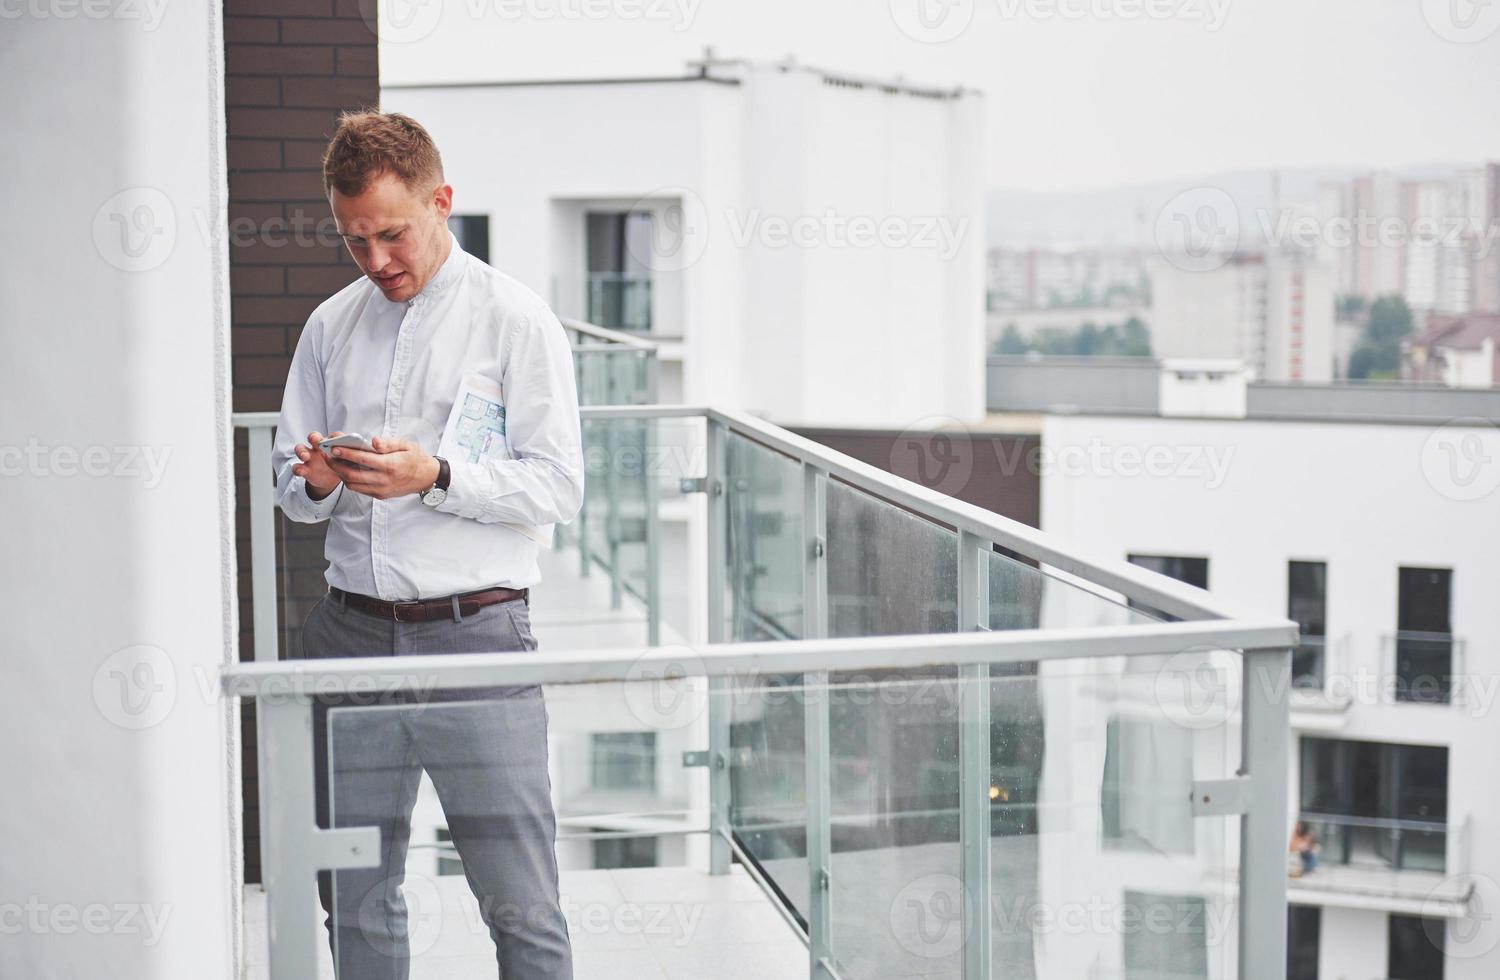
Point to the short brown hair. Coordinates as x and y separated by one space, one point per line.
369 143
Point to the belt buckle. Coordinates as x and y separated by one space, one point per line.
396 610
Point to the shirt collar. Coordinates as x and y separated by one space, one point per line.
446 274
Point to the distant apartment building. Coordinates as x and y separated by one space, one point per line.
1392 721
1461 352
776 226
1432 241
1272 312
1041 278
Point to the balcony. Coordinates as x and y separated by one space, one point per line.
1427 667
890 734
1409 867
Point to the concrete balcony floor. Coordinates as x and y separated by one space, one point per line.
642 923
1429 893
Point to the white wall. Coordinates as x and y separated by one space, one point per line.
1364 498
120 783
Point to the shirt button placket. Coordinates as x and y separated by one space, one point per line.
379 517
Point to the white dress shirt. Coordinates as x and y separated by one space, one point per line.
379 368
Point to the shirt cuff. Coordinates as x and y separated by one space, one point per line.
315 510
470 490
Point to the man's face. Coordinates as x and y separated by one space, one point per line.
397 234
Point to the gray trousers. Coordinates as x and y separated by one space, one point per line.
486 752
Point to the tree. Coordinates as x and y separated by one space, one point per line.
1135 338
1010 341
1379 352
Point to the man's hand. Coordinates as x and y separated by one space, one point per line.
396 468
314 468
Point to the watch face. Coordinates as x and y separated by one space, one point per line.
433 496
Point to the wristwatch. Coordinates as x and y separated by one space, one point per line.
438 492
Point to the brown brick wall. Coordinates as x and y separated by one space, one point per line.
290 67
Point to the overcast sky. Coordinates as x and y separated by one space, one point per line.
1080 93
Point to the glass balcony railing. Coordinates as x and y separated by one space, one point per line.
1427 666
915 737
1380 842
620 301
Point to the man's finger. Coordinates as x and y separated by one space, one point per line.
390 445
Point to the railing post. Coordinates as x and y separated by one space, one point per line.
612 482
1263 827
263 546
289 818
719 688
815 694
647 360
974 759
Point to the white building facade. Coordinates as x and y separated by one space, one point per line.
809 245
1393 721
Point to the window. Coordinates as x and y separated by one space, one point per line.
624 852
1193 571
619 275
1376 803
1307 603
1170 939
625 761
1416 948
473 234
1303 925
1424 635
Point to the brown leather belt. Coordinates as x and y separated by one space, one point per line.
425 610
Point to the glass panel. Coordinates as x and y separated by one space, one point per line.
613 524
889 571
765 543
1118 878
1025 596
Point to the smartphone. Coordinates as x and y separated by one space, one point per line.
349 440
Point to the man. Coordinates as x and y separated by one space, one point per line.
432 544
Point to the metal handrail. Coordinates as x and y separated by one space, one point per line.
300 678
1375 823
606 334
1137 583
